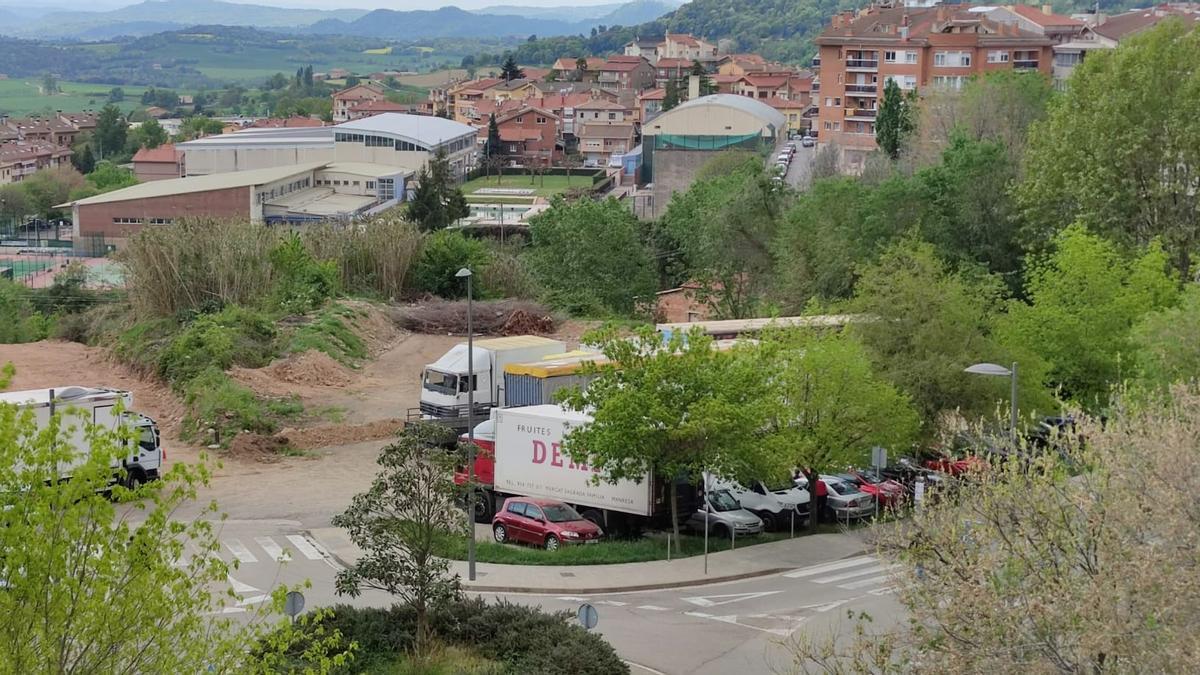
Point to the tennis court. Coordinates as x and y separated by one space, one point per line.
23 267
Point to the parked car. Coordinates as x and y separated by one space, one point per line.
725 515
846 501
542 522
906 471
783 158
808 141
778 506
886 491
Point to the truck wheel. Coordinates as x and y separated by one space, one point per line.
769 520
134 478
484 506
500 533
594 516
551 543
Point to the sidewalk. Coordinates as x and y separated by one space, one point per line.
742 563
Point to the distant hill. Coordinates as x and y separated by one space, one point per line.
455 22
152 16
622 14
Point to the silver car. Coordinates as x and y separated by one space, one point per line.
845 500
725 515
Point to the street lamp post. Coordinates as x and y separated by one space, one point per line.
1001 371
466 273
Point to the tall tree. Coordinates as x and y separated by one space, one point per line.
678 409
706 84
581 68
150 134
110 131
84 161
50 187
437 201
399 523
510 70
1084 299
493 146
671 96
895 119
1119 151
50 85
1165 343
308 76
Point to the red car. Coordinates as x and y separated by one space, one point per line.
956 467
885 491
542 522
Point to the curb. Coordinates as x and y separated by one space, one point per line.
468 586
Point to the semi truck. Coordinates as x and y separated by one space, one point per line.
520 454
108 408
447 382
537 382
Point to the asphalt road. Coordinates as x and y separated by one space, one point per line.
800 170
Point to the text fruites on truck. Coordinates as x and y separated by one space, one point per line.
521 455
107 408
447 382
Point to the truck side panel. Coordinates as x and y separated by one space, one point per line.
529 462
520 354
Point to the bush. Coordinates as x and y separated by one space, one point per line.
373 258
214 400
233 336
19 321
327 332
506 276
523 639
302 283
443 254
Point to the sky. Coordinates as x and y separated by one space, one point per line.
364 4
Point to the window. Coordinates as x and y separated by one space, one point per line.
839 78
828 126
889 57
521 119
1067 59
612 115
828 102
939 59
532 512
837 126
370 185
952 59
997 57
516 508
910 57
837 102
539 119
954 82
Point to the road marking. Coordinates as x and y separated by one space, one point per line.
732 619
304 547
862 571
711 601
883 591
613 603
648 669
253 600
863 583
825 606
702 615
569 598
829 567
239 551
652 608
239 587
275 551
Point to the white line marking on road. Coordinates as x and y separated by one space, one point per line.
239 587
883 591
825 606
702 615
648 669
652 608
239 551
275 551
253 600
304 547
863 583
725 599
829 567
325 554
861 572
613 603
569 598
231 610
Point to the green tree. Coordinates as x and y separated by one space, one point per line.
671 95
14 204
110 131
273 83
399 523
50 85
47 188
678 409
74 560
493 147
1165 342
510 70
706 84
149 134
83 160
581 68
572 257
1118 152
442 255
108 176
724 225
116 95
923 324
896 118
199 126
437 201
1084 299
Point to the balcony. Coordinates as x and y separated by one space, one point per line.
1025 64
862 64
816 62
862 114
863 89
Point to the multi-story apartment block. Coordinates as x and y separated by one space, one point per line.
687 47
530 135
1106 32
633 73
350 97
20 159
921 48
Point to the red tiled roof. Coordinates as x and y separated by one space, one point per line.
598 104
620 66
766 80
1123 25
653 95
379 107
293 122
164 153
673 63
518 134
1036 15
782 103
621 58
682 38
602 130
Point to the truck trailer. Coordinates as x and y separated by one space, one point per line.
447 382
108 408
520 454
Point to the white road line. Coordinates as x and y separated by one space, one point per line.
829 567
569 598
239 587
648 669
862 571
239 551
304 547
613 603
863 583
653 608
725 599
275 551
325 554
253 600
883 591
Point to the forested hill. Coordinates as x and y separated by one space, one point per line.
778 29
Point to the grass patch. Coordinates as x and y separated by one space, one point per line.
650 547
444 661
216 401
24 96
329 332
543 186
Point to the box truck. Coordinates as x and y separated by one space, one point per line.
537 382
107 408
447 382
520 454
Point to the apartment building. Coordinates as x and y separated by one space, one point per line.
938 47
1106 32
350 97
532 136
19 159
632 73
686 47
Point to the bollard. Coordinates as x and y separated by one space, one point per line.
793 535
732 538
668 547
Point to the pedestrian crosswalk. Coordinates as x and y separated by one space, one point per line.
276 549
861 572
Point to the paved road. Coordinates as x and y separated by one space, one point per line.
800 170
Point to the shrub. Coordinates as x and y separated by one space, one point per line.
214 400
373 258
19 321
327 332
233 336
506 276
443 254
302 283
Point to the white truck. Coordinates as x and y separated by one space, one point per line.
98 406
521 454
447 382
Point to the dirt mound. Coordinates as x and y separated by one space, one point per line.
496 317
373 324
299 374
341 434
257 448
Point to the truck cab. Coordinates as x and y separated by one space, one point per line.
145 461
